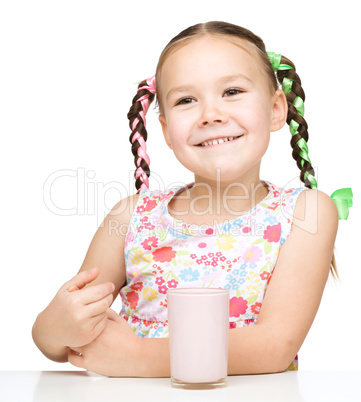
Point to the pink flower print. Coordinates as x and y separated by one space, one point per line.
223 258
144 219
172 284
207 263
256 307
219 253
273 233
276 193
140 209
145 199
169 195
163 254
150 242
232 325
265 275
237 306
162 289
204 257
249 321
210 254
274 205
193 256
133 298
136 286
135 319
148 225
214 264
252 254
150 205
199 262
159 281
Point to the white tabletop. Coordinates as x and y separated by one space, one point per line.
79 386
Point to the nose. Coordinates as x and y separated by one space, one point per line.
212 114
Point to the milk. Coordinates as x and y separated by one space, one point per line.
198 321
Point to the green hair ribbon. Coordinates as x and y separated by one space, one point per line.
343 197
343 200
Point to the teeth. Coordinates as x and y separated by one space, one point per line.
218 141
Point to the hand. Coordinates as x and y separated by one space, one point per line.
116 352
76 318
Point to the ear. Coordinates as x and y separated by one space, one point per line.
279 110
163 123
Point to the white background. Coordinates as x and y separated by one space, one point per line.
69 71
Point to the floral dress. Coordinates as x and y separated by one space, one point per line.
162 252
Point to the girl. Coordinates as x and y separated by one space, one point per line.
219 99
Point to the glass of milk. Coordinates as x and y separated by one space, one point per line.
198 320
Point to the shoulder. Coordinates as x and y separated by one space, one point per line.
106 249
315 211
123 209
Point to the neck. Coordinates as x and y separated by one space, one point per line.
225 199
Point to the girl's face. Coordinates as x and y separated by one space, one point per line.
213 89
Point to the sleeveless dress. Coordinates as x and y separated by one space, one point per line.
162 252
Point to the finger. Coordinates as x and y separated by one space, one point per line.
83 278
75 359
113 315
95 293
100 306
100 326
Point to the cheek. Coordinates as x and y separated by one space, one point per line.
178 130
258 117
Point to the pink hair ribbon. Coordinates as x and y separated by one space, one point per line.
142 150
150 85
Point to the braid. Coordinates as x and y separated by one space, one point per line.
138 137
291 85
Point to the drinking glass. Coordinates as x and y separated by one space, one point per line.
198 320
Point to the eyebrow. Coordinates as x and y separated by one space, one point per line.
225 79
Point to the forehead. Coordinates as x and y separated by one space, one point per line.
209 55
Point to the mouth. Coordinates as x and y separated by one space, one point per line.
218 141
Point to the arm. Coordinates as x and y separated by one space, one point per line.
291 301
69 313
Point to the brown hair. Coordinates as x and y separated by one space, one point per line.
241 37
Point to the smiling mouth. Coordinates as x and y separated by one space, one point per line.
218 141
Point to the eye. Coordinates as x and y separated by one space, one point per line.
185 101
232 91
